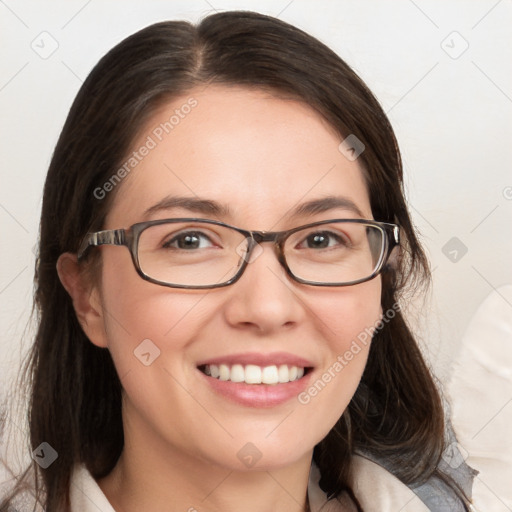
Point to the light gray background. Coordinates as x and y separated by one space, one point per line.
451 108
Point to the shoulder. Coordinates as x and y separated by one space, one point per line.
378 490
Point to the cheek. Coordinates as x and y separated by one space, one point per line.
141 317
348 312
348 320
150 330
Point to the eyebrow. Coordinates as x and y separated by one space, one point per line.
194 204
211 207
325 204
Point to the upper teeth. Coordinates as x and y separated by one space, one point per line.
252 374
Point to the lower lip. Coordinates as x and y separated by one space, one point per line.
258 395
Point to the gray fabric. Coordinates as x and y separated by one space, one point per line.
435 493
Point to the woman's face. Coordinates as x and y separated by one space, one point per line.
260 158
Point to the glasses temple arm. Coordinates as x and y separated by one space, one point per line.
107 237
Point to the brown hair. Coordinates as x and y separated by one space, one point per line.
75 406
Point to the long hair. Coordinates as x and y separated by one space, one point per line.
75 393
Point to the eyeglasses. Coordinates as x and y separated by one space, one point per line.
200 253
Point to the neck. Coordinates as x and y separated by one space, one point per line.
153 476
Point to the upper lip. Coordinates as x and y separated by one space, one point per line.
259 359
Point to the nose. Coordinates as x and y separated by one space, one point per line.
264 299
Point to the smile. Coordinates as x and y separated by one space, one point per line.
255 379
254 374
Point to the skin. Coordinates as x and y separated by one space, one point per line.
261 156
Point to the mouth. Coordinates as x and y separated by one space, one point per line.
254 374
254 379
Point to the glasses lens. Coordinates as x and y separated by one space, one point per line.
191 253
337 252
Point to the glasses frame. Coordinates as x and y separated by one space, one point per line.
130 238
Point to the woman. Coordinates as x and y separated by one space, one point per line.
245 349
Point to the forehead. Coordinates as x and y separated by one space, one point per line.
258 155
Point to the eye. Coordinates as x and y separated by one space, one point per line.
189 240
323 240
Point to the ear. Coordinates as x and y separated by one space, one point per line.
85 296
394 258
